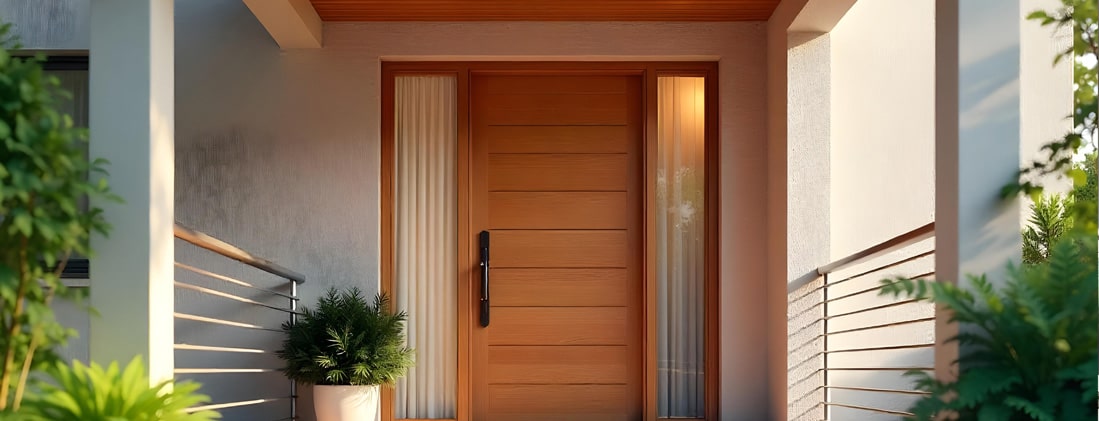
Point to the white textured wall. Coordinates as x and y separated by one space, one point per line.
1045 90
883 123
883 184
277 151
808 162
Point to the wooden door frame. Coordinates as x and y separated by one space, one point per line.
649 71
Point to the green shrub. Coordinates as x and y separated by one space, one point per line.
346 341
92 393
1029 348
43 176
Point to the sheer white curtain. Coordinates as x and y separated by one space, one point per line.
425 220
680 235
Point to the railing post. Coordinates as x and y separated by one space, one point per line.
293 320
824 347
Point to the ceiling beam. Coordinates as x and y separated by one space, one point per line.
292 23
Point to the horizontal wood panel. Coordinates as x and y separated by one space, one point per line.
560 249
558 326
559 287
560 402
558 172
504 103
558 210
538 115
544 10
532 84
555 139
558 364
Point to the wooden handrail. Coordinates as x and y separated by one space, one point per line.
908 238
233 252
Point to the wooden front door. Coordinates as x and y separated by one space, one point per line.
557 182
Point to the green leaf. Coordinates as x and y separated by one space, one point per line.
1079 177
22 222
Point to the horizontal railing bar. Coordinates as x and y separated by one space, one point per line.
881 348
233 404
883 325
893 304
233 252
204 319
224 370
923 275
881 268
911 237
233 281
189 347
871 389
878 368
874 288
217 293
868 408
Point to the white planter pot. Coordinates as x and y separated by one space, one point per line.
345 403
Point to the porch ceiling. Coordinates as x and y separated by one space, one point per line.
544 10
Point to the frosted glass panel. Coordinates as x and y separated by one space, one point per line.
425 222
680 247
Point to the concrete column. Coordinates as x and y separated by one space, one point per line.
977 145
132 124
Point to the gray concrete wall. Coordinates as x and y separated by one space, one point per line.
48 24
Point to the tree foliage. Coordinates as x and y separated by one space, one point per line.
346 341
1057 158
1029 347
43 175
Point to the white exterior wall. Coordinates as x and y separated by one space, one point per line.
883 185
883 122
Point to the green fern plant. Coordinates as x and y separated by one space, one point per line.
346 341
94 393
1029 346
1049 221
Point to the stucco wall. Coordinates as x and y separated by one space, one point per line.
277 151
883 184
808 163
883 154
48 24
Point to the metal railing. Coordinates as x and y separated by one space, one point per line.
870 341
230 306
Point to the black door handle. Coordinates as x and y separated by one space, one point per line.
485 308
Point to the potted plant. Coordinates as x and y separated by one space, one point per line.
346 348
